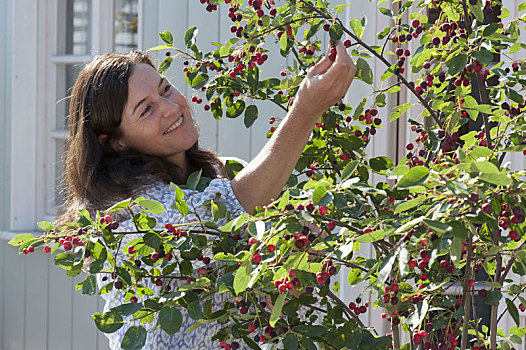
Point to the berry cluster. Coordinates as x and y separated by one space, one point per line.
328 270
283 284
175 231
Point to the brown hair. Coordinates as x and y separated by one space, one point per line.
96 175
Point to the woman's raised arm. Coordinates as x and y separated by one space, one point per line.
266 175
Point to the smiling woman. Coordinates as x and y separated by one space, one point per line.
121 122
132 133
156 119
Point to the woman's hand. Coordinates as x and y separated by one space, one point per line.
264 177
325 84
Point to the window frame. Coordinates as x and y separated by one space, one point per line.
36 65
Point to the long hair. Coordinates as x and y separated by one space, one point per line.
95 174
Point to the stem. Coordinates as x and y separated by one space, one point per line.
466 295
298 57
396 335
346 309
380 57
480 85
494 309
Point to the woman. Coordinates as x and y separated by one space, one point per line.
132 133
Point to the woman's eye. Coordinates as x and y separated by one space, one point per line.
146 110
166 89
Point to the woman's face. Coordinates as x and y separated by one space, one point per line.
156 119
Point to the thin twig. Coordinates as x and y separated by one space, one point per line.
381 58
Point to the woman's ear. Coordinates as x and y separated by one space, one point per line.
106 141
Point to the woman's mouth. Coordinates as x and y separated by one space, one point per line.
175 125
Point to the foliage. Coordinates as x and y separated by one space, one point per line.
447 212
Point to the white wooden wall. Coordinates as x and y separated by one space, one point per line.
39 308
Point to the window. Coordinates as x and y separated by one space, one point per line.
83 28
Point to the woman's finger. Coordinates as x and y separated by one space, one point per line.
320 67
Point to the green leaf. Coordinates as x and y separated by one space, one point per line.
379 164
167 37
354 276
356 27
418 314
189 36
490 29
152 240
437 226
319 192
493 297
400 110
517 148
364 71
276 311
134 338
236 109
194 310
335 32
121 205
171 319
198 81
242 277
110 322
459 230
386 12
349 170
127 309
251 114
194 326
521 7
165 64
483 56
496 179
456 64
515 96
385 269
374 236
21 239
415 176
160 47
179 203
193 179
89 286
475 10
152 207
283 42
514 313
290 342
456 251
410 204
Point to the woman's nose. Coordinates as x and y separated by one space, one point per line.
168 107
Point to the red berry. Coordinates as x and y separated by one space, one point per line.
47 249
271 248
252 241
67 245
347 43
323 210
256 258
159 282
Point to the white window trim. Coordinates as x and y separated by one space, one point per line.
35 64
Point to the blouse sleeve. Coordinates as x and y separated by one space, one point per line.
217 190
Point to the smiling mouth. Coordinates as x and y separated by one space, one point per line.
175 125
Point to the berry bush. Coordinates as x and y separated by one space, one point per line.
447 223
